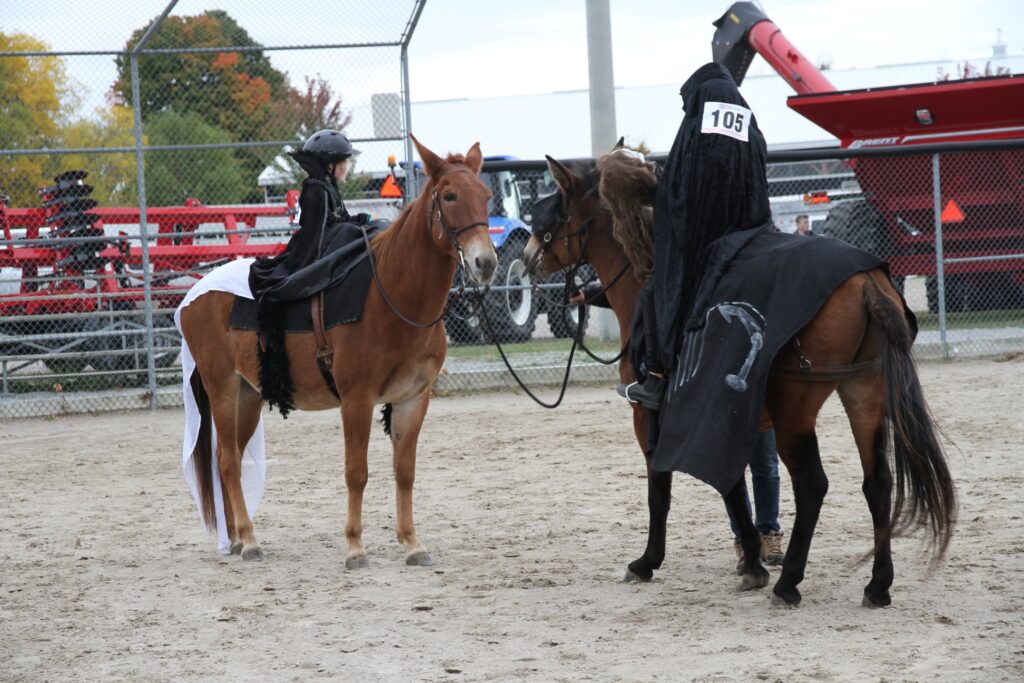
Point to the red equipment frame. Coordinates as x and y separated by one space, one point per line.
981 185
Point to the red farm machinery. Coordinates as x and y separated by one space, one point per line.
72 280
981 190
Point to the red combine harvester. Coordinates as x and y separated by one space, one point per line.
982 196
77 290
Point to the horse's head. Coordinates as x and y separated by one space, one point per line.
561 221
458 210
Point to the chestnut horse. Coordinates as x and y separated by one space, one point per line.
381 359
861 321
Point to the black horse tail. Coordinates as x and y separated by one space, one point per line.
202 454
925 495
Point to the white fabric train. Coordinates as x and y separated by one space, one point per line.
232 277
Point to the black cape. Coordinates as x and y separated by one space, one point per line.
712 185
774 285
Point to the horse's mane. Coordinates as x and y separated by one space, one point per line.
627 185
383 242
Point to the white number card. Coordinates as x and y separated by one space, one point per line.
726 119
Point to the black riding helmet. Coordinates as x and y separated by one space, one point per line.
329 146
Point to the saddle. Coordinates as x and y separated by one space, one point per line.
339 304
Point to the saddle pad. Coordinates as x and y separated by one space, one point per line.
343 303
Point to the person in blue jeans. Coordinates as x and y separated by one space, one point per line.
764 473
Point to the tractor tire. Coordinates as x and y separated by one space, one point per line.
956 293
462 327
857 223
512 313
564 320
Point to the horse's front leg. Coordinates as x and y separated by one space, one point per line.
356 419
406 420
659 499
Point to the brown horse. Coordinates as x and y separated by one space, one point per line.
382 359
861 321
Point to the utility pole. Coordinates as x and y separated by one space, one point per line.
602 113
602 77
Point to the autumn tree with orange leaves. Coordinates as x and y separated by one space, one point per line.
239 93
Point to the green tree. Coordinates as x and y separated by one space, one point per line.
113 175
34 96
211 176
232 91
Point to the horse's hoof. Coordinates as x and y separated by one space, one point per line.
357 561
754 581
632 577
780 601
419 558
253 554
875 601
236 548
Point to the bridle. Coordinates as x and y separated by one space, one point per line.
569 271
453 236
453 233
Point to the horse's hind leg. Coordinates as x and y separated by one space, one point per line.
863 399
406 420
794 408
229 405
249 407
356 419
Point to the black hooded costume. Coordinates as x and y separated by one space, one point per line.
713 185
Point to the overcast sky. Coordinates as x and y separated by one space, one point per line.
478 48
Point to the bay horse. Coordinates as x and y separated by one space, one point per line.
391 356
861 321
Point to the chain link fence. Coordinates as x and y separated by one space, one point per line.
105 229
127 173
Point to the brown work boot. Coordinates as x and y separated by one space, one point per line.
738 547
772 553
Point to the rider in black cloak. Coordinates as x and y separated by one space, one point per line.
713 184
325 227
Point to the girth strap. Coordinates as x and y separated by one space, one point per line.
828 373
324 351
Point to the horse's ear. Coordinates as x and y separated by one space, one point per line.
432 164
564 178
620 144
474 158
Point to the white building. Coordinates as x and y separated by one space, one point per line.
530 126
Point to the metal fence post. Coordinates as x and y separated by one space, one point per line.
940 276
147 271
147 290
411 189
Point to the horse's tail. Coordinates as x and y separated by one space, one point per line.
925 495
202 454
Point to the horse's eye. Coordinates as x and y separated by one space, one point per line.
450 196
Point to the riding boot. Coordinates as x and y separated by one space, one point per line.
648 393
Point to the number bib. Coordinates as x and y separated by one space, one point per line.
726 119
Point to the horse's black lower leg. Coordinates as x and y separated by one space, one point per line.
809 488
659 498
754 573
878 493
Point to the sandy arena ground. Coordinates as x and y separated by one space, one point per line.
532 516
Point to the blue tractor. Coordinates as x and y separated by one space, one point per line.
512 311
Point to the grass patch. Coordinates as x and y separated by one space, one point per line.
969 320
